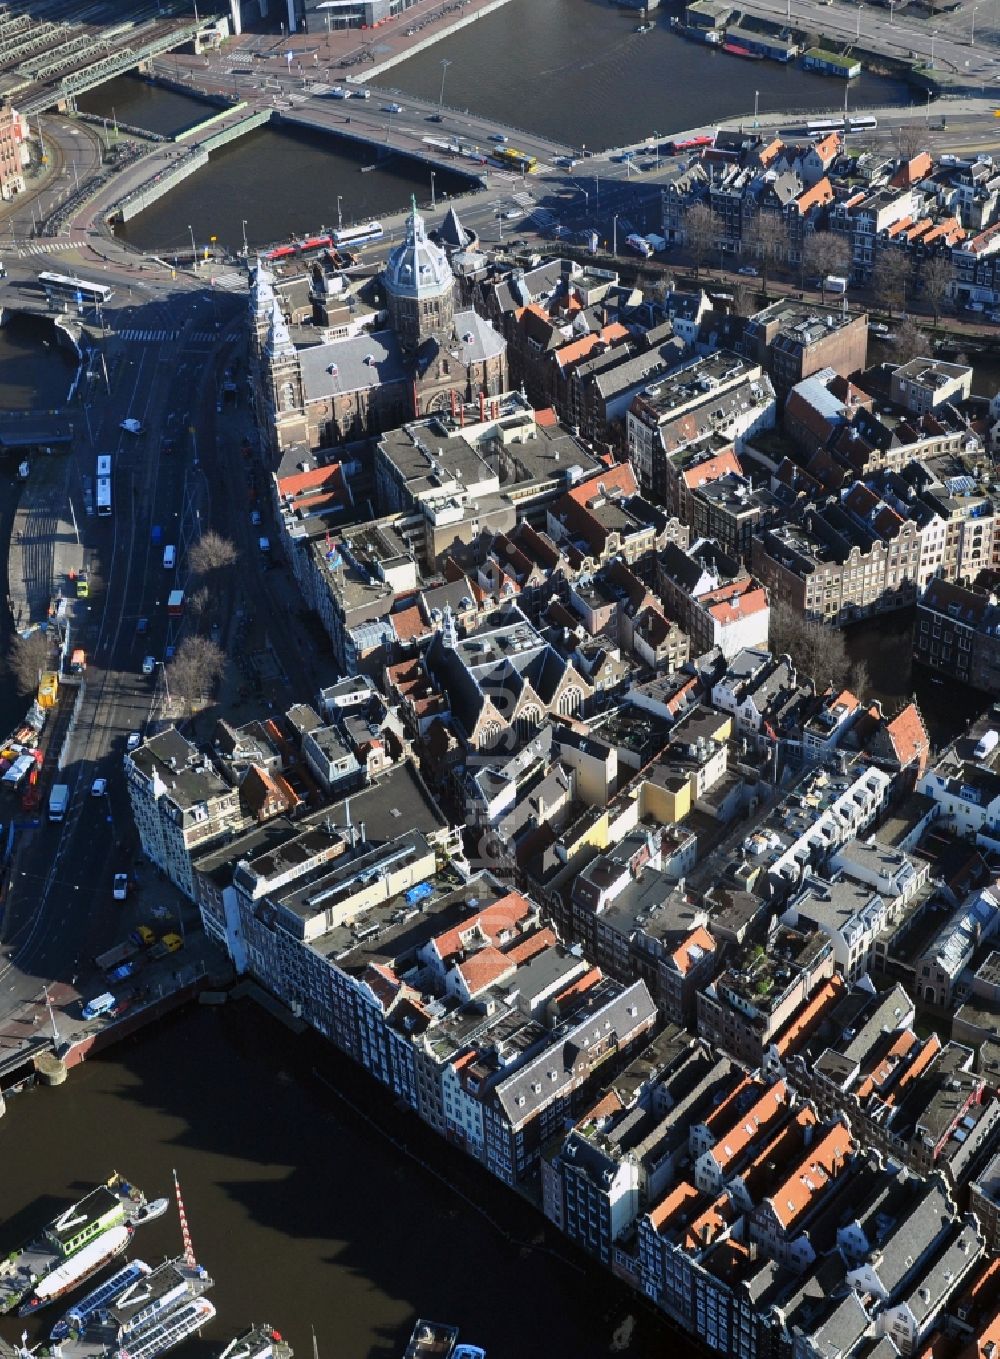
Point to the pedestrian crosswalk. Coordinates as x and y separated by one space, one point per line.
134 336
25 248
523 199
148 336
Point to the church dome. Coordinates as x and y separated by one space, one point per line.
418 268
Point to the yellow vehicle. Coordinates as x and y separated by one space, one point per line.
144 936
48 689
83 586
172 942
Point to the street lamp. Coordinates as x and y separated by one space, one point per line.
246 248
756 105
340 216
972 38
194 248
445 63
433 199
586 204
858 31
933 41
614 234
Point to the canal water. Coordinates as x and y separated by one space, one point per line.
281 183
577 71
34 371
303 1211
572 69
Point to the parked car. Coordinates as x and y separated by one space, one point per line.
98 788
134 741
142 626
255 517
435 118
148 665
498 137
119 886
392 108
100 1005
748 270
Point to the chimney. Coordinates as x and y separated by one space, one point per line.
482 406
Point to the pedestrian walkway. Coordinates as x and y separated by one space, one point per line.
148 336
166 336
25 248
44 544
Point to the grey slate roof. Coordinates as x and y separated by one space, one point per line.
351 372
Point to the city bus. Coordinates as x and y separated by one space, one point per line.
70 291
824 125
358 235
104 467
104 497
511 159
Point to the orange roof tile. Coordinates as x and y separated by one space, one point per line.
720 1116
710 1224
737 1138
298 482
546 417
695 946
820 193
809 1015
492 923
920 1063
620 478
682 1196
704 473
820 1165
909 738
578 988
736 605
607 1106
536 943
881 1073
409 623
484 968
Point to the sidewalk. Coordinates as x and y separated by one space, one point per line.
43 544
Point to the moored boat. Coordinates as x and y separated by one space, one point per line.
105 1295
259 1342
102 1208
78 1268
147 1212
436 1340
169 1331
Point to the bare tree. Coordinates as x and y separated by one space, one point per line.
211 552
699 233
936 277
769 241
27 658
892 274
825 253
910 141
196 668
817 650
909 342
197 601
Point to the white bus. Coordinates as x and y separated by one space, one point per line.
104 466
358 235
104 496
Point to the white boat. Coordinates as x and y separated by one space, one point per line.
169 1331
147 1212
77 1318
78 1268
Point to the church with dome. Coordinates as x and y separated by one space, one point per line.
401 354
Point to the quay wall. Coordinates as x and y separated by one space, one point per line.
140 199
424 43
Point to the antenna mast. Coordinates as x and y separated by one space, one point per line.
189 1259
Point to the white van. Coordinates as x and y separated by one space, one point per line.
169 557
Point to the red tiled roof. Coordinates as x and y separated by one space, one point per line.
682 1196
809 1015
828 148
822 1163
619 478
731 1143
909 738
703 473
485 967
578 988
695 946
495 921
736 604
913 171
535 943
298 482
711 1223
816 196
409 624
546 417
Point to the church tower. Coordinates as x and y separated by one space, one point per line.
420 288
